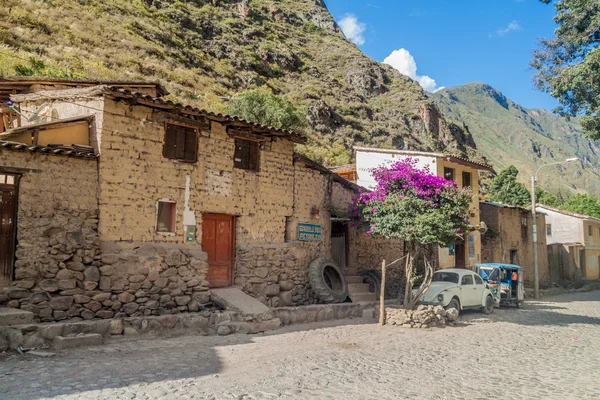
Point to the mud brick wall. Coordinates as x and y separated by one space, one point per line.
135 175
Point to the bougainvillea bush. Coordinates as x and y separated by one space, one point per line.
414 205
418 207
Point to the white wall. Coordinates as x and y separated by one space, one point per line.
565 229
367 160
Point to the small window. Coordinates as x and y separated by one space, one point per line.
478 280
466 179
181 143
166 216
590 232
548 229
449 173
7 179
467 280
246 154
524 227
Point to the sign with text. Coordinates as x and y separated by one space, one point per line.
310 232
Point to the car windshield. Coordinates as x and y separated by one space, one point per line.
445 277
490 274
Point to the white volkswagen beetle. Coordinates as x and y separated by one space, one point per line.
460 289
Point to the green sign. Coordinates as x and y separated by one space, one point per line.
310 232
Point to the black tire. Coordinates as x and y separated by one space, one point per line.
520 304
454 303
327 281
373 279
489 305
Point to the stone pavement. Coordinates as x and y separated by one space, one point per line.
549 350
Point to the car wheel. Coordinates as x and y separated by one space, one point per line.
489 305
454 303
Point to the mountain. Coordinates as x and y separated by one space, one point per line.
205 51
507 133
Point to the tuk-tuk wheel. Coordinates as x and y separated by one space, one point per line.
489 305
520 304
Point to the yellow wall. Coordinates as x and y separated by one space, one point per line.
76 133
445 259
67 135
592 249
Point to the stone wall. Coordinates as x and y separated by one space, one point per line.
57 239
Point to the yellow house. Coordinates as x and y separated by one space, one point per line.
460 170
581 236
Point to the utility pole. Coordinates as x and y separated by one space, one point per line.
536 279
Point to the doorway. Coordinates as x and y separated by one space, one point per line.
514 257
218 241
459 255
8 225
338 244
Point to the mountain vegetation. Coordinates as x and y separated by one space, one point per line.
207 51
507 134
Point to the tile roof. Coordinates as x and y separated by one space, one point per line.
169 105
449 157
568 213
77 151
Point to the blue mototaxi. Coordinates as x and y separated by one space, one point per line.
505 282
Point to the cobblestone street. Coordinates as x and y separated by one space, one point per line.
549 350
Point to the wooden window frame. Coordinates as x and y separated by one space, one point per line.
258 149
590 230
464 174
548 229
173 217
189 126
453 173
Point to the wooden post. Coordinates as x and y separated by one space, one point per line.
382 295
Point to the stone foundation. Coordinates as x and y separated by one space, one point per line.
76 282
276 274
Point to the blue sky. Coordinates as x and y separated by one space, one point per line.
454 42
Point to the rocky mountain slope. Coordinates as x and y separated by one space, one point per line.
205 51
507 133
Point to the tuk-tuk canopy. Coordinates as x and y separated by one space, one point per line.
500 265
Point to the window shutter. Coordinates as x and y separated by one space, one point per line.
190 145
170 142
180 146
253 156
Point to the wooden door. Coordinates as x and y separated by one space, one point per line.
218 241
338 244
8 225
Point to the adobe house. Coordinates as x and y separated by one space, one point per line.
509 238
574 243
462 171
158 204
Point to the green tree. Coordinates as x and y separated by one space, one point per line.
583 204
266 108
505 189
544 197
569 64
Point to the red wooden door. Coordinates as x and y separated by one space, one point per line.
8 225
218 241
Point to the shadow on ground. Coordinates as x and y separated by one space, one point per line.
119 364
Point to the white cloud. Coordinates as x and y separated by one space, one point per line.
353 29
405 63
512 26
